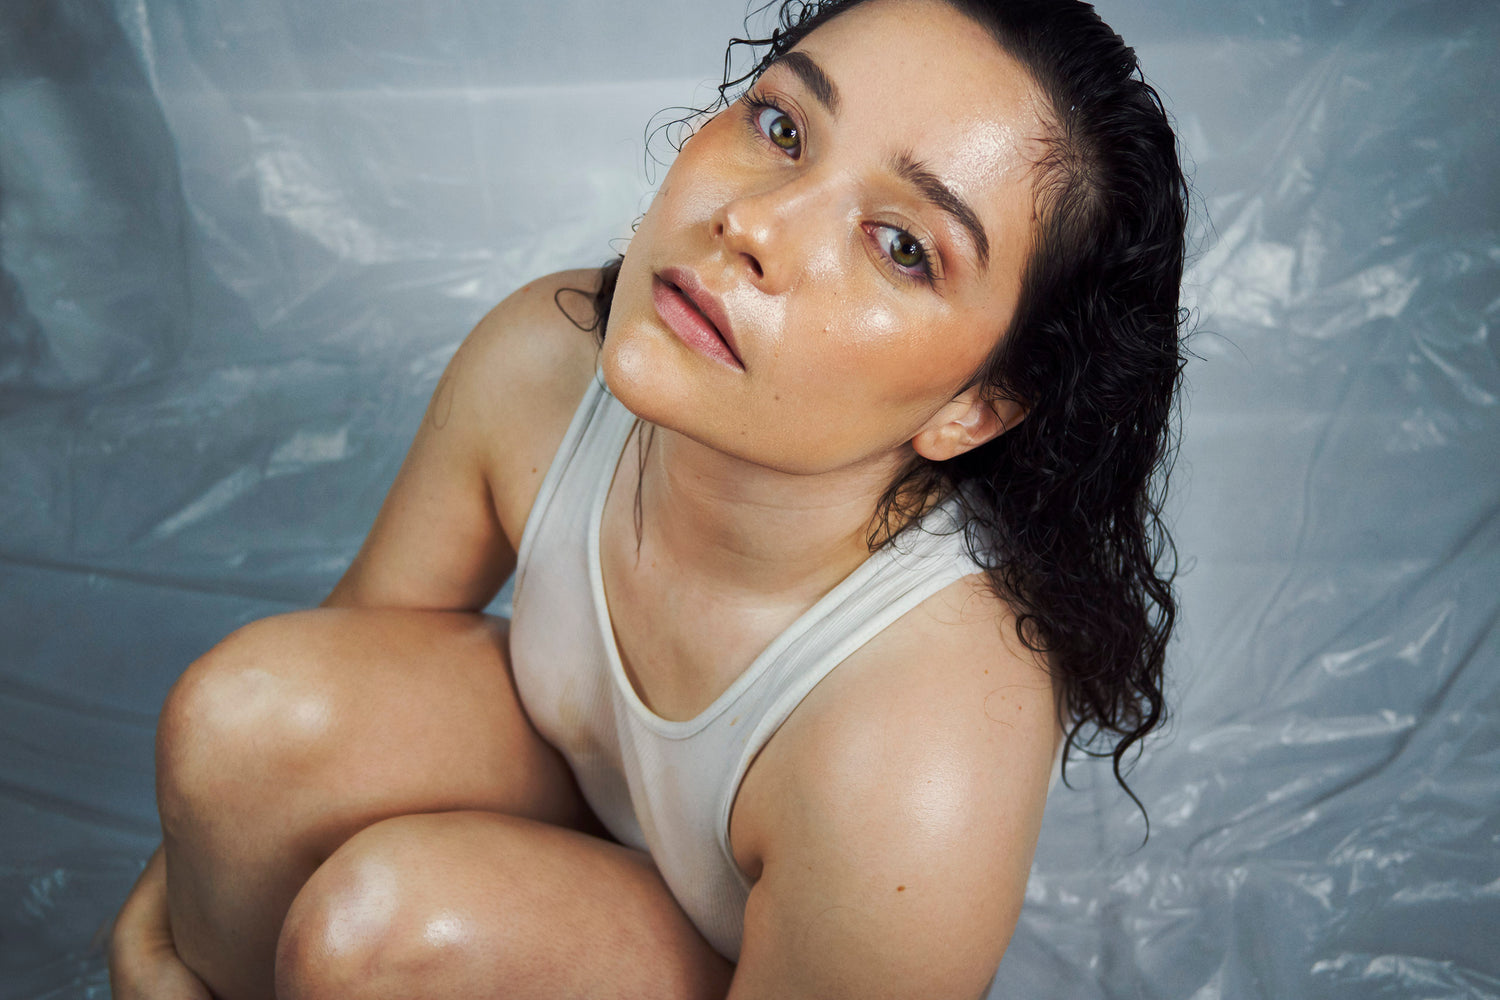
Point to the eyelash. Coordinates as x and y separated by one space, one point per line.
754 105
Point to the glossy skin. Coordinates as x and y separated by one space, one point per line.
336 829
834 336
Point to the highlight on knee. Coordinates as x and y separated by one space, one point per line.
362 925
241 715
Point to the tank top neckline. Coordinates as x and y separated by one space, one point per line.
808 619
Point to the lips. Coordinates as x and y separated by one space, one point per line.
696 315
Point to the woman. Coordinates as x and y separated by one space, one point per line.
747 735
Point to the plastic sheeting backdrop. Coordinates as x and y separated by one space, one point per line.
240 239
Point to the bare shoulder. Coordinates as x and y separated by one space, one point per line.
893 818
528 353
947 685
524 369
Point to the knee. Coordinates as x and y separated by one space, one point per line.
240 720
369 923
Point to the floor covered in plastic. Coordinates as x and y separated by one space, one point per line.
239 240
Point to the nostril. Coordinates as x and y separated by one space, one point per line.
755 266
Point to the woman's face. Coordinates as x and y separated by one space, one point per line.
855 228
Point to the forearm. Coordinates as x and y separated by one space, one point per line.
143 919
462 572
143 962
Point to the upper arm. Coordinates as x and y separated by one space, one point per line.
908 800
446 535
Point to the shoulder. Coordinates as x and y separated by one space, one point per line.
900 804
523 370
947 685
528 347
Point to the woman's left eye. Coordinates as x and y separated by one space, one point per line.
905 250
779 127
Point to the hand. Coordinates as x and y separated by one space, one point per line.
152 972
143 963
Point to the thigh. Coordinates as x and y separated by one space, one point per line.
324 721
471 904
297 732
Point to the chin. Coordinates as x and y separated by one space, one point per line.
658 383
655 380
643 374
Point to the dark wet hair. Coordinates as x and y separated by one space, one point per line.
1065 510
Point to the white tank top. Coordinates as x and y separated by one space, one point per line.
662 786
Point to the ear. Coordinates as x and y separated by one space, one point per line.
966 423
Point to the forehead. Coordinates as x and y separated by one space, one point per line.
920 77
921 83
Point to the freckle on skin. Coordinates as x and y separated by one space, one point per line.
900 888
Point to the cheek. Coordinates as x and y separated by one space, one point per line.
890 360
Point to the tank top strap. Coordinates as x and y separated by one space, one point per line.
913 566
917 563
584 463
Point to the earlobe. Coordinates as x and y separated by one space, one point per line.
965 424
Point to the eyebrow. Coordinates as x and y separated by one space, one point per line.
911 170
903 165
813 77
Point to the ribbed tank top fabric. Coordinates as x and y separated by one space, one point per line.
666 786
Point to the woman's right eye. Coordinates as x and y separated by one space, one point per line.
778 126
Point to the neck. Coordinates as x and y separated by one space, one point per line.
732 526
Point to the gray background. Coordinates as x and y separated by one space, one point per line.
240 238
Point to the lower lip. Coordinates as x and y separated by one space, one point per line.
683 319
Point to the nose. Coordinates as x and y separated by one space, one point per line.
768 231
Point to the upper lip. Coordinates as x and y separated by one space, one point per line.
706 302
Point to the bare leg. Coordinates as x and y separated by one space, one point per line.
465 905
299 731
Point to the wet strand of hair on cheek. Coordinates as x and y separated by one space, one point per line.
642 450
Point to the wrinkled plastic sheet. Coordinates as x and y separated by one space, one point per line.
239 240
